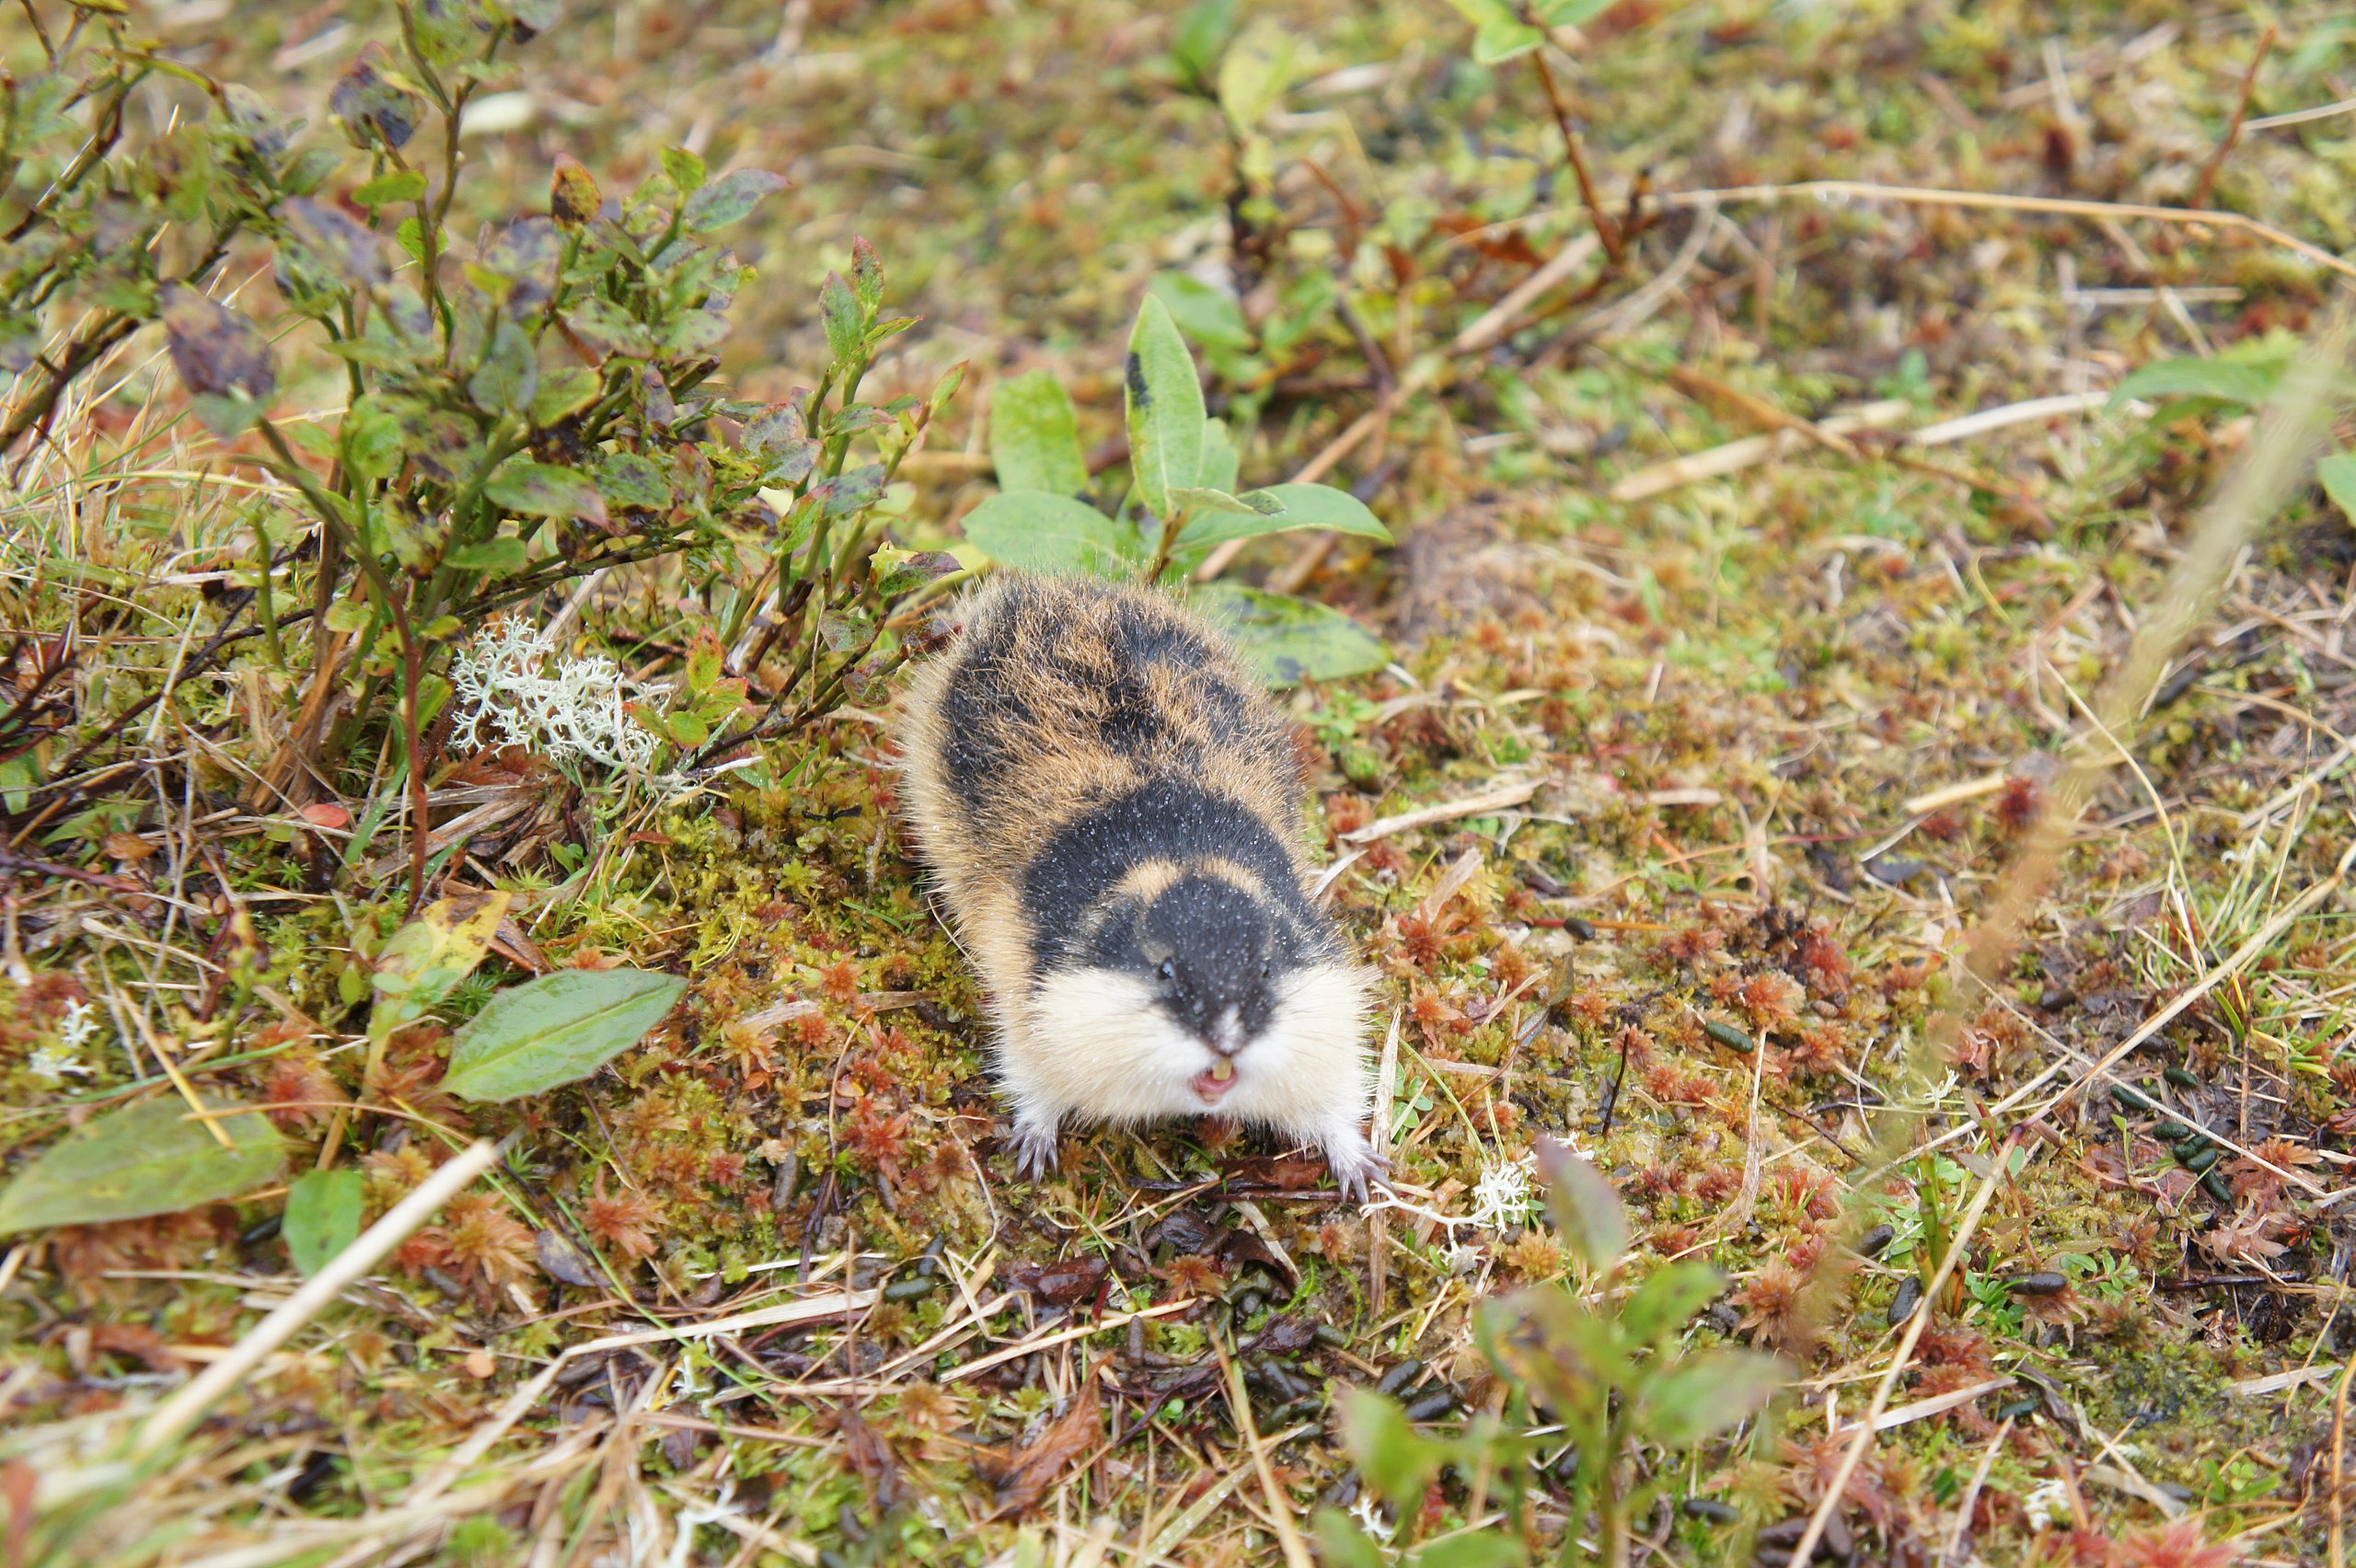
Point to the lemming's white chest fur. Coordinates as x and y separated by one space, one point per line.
1089 1045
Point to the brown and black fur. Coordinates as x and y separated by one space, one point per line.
1112 806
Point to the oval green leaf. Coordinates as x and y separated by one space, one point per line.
2227 381
1288 640
1165 408
1304 506
1039 531
555 1030
1708 1393
152 1157
543 490
1034 436
322 1218
2336 474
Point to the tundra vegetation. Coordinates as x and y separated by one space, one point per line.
1809 550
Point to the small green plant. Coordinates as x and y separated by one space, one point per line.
1612 1374
516 414
1183 503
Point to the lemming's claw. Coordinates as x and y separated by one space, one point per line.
1035 1149
1355 1164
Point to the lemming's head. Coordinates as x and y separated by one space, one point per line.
1196 991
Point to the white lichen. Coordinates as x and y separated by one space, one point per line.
1502 1199
513 689
51 1064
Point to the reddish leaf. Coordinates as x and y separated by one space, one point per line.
1027 1474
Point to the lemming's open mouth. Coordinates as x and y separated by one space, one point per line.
1211 1087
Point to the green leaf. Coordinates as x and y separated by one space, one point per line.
372 439
1256 72
1303 506
556 1029
1288 640
322 1216
686 169
1039 531
1668 1299
1342 1544
1204 313
1165 408
563 392
846 323
1220 460
866 274
1499 32
627 479
430 954
1394 1459
509 376
1195 44
543 490
1200 497
1034 436
2336 474
1480 1551
730 198
1706 1394
1585 1206
2249 382
146 1158
498 555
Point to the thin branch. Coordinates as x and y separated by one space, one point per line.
2208 185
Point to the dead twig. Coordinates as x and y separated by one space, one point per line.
2216 164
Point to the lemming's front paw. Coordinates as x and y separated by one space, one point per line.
1035 1149
1355 1164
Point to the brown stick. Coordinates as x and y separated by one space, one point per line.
1605 229
2202 192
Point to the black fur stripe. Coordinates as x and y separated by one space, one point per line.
1165 819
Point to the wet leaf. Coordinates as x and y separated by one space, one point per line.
1288 640
1165 408
353 253
1706 1394
146 1158
323 1215
896 571
1041 532
543 490
1034 436
555 1030
730 198
1062 1285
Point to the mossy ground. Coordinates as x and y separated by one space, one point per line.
1727 694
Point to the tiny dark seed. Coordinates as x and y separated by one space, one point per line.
2134 1099
1872 1244
2218 1187
1566 1465
1300 1409
1332 1338
1730 1037
2043 1283
2199 1163
1249 1304
1432 1406
2179 1077
908 1289
1399 1377
1710 1509
2018 1407
1910 1296
788 1179
929 1261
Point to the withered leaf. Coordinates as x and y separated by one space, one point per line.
1026 1476
1063 1284
217 352
564 1261
371 100
869 1458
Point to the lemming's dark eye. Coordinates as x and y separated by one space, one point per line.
1169 971
1263 967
